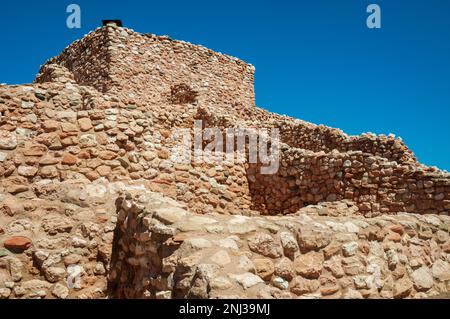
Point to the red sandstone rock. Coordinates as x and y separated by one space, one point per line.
446 248
17 243
179 238
425 235
15 184
313 240
92 175
309 265
69 128
163 154
85 124
265 245
107 155
160 181
329 290
35 150
364 248
264 268
69 159
84 155
301 286
397 229
395 237
50 126
333 249
104 170
68 141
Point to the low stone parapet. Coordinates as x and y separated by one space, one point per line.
164 251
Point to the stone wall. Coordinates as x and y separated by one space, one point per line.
167 252
321 138
144 68
88 60
301 134
61 131
381 174
126 242
98 124
378 185
57 240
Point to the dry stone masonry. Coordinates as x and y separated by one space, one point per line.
167 252
93 206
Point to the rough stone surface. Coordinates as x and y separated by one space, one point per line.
309 265
422 279
17 243
93 204
265 245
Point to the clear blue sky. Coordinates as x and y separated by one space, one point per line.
315 60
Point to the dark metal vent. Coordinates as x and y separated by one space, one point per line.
117 23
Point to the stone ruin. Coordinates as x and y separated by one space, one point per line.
93 206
